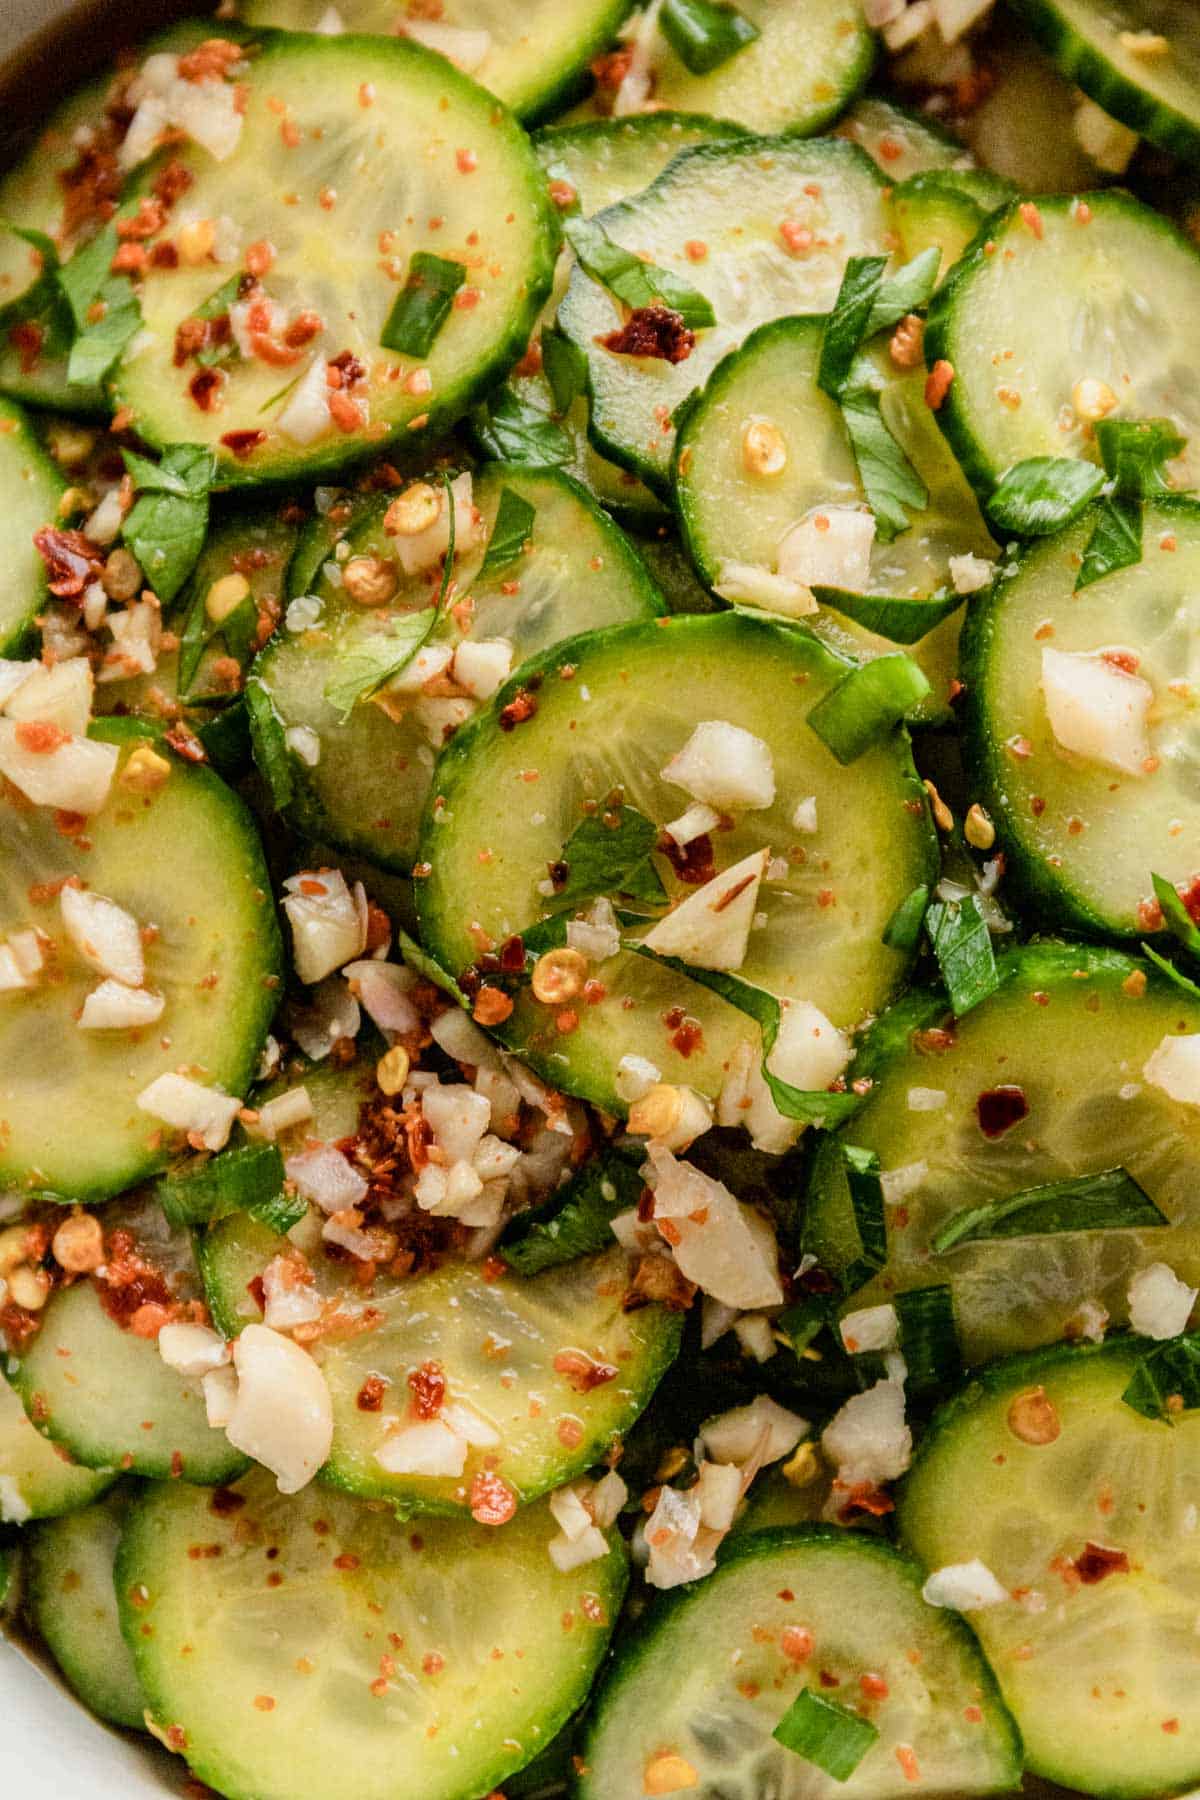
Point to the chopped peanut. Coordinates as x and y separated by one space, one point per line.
225 596
391 1071
413 511
764 448
559 975
369 580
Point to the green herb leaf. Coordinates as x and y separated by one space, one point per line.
903 929
863 1178
83 277
867 704
577 1221
902 620
511 430
373 661
704 35
1134 453
890 482
510 533
1166 1382
424 964
565 367
603 859
847 325
1042 494
1116 542
99 345
220 300
825 1733
962 944
423 304
186 469
1110 1200
907 291
1176 917
929 1339
167 525
813 1106
633 281
225 735
248 1178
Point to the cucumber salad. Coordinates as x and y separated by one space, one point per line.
600 899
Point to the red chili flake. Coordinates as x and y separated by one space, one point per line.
863 1498
492 1500
171 183
874 1687
653 331
999 1109
581 1372
27 339
129 1282
609 71
41 737
1190 895
1095 1562
256 1288
521 707
512 955
938 384
72 560
225 1502
185 744
370 1394
428 1388
796 1642
693 863
243 444
688 1038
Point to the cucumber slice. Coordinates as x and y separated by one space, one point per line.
1123 278
903 143
36 1480
733 199
1082 838
103 1393
707 1677
187 860
34 194
369 786
455 1317
1151 84
535 57
362 1661
73 1604
612 709
606 160
1071 1028
936 208
1101 1681
253 541
675 575
30 486
808 62
420 115
729 513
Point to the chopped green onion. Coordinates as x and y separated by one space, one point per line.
903 929
929 1339
1043 493
962 944
704 35
423 304
577 1221
1167 1381
1110 1200
825 1733
633 281
867 704
510 533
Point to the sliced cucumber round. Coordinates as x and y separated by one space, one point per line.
457 1318
355 110
713 1668
37 1479
30 487
73 1603
606 160
1138 59
1084 837
533 58
368 786
35 191
902 142
1122 279
609 712
946 208
1066 1036
729 202
808 61
406 1666
104 1393
184 859
1032 1465
731 513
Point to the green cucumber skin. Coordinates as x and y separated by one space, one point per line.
447 406
98 1688
737 1550
20 636
973 457
1042 893
571 83
691 162
1120 98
